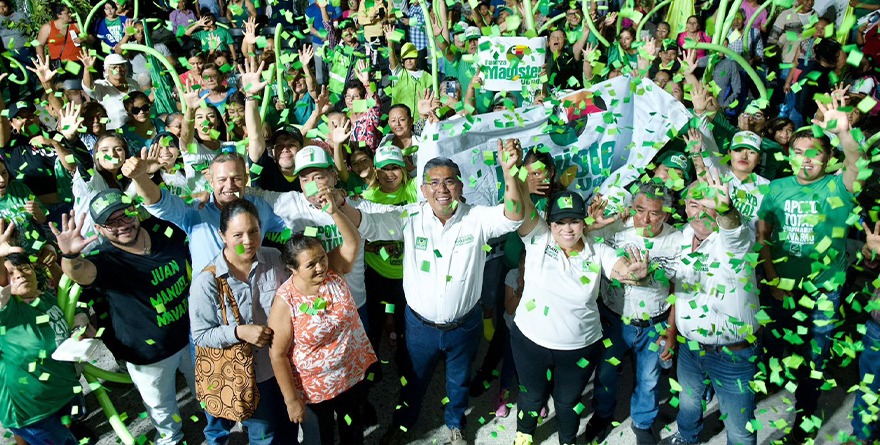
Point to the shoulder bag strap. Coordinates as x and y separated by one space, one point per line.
220 292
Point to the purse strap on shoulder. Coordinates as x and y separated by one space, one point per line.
225 295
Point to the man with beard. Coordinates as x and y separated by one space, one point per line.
143 273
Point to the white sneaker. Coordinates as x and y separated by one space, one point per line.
456 437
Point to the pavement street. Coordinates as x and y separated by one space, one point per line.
484 427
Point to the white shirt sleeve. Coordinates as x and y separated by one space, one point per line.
382 226
493 221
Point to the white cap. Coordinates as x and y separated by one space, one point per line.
114 59
311 156
746 139
388 155
472 32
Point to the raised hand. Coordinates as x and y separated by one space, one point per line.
191 97
509 154
388 30
596 210
322 103
699 97
251 77
694 140
250 31
6 235
651 48
69 120
35 210
833 119
689 62
340 134
136 167
327 200
610 19
42 69
590 53
716 195
306 54
363 72
427 103
636 263
872 240
87 59
70 239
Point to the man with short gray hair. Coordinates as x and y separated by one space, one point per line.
636 317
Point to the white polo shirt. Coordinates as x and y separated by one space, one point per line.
650 299
558 309
442 264
716 288
111 98
298 213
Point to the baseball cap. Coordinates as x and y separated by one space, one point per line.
17 107
501 9
287 130
472 33
676 159
114 59
311 156
388 155
106 203
566 204
408 51
746 139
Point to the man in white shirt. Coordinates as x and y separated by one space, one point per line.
715 313
442 278
112 89
634 317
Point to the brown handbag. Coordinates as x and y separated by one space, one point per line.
225 380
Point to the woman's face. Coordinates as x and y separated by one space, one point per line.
22 280
626 40
300 86
220 60
174 126
361 164
206 120
400 123
211 79
674 89
110 154
567 232
64 16
351 95
693 25
662 32
573 17
662 78
390 177
242 236
744 160
783 135
140 110
313 266
110 10
757 121
738 22
196 63
235 113
168 153
556 41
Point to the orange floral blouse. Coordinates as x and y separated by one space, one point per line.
330 351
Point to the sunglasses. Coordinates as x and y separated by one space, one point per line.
141 109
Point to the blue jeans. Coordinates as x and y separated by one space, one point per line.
625 338
268 426
425 344
865 421
49 431
729 374
821 326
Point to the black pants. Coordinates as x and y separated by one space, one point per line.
349 403
567 378
389 290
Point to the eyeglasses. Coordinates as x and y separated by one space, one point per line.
353 97
757 116
209 76
448 184
118 221
141 109
288 147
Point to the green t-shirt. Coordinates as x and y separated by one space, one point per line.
383 262
354 185
34 386
12 209
204 35
810 225
407 89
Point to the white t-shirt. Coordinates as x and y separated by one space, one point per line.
747 198
558 309
111 98
650 300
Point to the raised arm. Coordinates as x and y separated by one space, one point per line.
305 57
392 54
836 122
509 155
342 258
71 244
252 84
45 74
88 62
138 170
339 136
196 26
192 101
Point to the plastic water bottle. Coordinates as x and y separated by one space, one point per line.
665 364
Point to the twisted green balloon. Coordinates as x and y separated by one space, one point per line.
164 61
550 22
530 19
592 25
759 84
647 16
432 48
15 79
91 15
752 21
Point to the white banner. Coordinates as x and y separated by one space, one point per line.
628 122
511 63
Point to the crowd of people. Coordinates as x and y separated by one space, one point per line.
225 189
